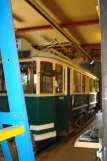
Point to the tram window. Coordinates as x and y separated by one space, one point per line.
46 78
64 78
91 85
34 77
77 81
29 77
87 84
94 85
83 83
58 77
97 86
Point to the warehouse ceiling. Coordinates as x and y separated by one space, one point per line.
67 24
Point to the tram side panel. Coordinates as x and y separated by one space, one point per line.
61 113
41 116
50 111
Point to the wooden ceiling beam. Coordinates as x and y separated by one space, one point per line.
64 25
38 8
80 23
92 45
34 28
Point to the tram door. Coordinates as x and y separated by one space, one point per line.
69 103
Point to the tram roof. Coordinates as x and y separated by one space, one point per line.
53 54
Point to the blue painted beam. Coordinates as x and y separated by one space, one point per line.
11 118
13 78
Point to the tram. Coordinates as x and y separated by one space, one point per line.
60 95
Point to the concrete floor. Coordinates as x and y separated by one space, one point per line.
65 151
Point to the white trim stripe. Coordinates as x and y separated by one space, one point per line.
75 108
41 127
93 103
38 95
45 136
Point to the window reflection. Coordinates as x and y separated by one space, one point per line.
28 76
46 83
83 83
77 81
58 77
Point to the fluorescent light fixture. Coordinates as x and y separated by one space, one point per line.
92 62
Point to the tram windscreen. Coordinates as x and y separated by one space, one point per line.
28 76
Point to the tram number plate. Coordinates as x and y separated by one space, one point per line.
61 98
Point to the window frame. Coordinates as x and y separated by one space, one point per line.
31 77
41 80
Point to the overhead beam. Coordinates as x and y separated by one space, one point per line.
93 45
81 23
64 25
37 7
34 28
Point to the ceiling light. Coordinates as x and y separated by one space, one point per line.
92 62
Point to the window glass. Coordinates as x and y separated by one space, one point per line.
94 85
97 86
58 77
83 83
77 81
91 85
34 78
28 76
64 78
46 83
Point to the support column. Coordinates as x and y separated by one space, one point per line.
103 27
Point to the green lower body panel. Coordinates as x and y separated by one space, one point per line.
49 115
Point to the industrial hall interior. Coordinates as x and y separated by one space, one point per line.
53 80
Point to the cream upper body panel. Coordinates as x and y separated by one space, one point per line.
57 57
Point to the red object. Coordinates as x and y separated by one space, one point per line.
64 25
